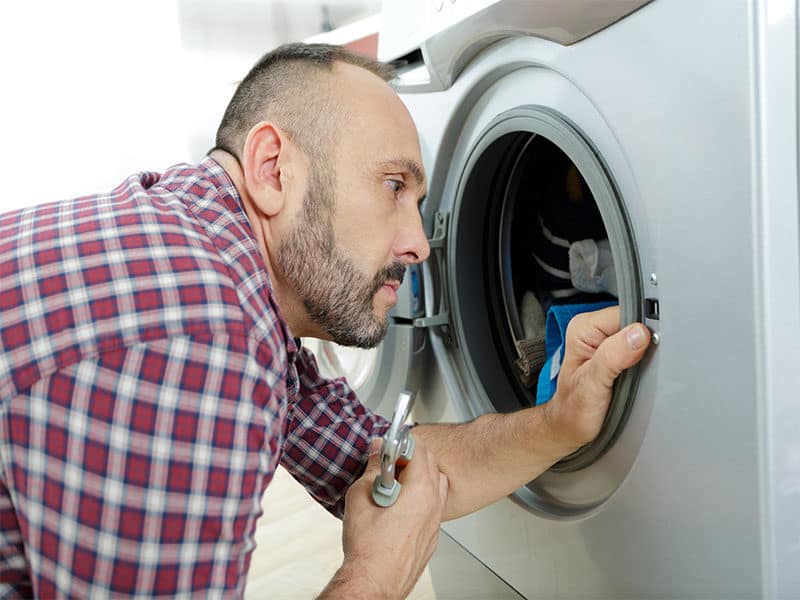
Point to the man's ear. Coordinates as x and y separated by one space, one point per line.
261 166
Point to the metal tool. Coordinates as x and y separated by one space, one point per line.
397 448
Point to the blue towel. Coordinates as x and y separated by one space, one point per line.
558 317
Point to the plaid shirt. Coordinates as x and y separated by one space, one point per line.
149 387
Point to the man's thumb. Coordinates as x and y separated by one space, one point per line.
620 351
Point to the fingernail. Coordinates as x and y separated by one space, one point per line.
635 337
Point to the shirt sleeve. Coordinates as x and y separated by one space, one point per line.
139 472
328 432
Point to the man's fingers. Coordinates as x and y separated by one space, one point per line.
444 486
619 352
423 471
591 328
419 473
375 448
418 467
374 460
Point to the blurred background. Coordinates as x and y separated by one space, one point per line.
95 90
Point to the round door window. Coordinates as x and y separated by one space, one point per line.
538 226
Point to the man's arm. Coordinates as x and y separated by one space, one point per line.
490 457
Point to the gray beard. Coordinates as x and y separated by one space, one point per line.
336 295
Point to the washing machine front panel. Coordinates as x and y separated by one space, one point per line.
673 122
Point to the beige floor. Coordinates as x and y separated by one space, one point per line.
308 540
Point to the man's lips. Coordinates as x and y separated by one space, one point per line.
390 288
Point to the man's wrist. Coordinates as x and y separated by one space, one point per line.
352 581
560 442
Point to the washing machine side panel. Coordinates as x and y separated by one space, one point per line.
778 223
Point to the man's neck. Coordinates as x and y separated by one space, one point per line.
291 306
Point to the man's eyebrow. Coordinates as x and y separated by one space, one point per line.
405 164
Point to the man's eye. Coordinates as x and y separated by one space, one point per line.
396 185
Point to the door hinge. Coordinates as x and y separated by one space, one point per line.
440 320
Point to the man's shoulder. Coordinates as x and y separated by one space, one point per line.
139 246
115 269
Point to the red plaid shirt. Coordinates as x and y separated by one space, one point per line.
148 390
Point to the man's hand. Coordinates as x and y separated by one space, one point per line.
596 353
386 549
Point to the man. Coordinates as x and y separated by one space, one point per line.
151 379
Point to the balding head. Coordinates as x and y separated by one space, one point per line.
293 87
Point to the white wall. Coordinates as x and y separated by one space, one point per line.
92 91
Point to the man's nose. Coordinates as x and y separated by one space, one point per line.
412 246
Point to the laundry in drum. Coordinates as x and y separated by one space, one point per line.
572 270
571 257
591 267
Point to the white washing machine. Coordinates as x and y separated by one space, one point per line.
681 118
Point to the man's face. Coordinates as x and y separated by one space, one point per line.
359 228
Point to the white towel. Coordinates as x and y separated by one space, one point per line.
532 316
591 267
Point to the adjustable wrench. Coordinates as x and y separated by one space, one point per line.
397 448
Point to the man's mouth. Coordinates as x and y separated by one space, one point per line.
390 289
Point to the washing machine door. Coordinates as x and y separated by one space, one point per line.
379 374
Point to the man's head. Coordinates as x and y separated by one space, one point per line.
287 86
331 163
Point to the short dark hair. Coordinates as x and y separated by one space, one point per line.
284 86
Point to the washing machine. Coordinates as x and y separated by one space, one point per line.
681 119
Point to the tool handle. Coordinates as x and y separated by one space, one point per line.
384 495
397 449
406 449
